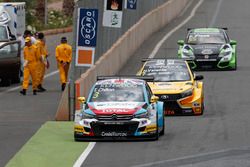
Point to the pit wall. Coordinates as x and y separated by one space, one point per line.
112 61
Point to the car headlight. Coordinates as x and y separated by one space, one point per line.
225 52
187 93
4 17
142 115
187 52
87 116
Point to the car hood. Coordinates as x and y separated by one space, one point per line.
107 108
206 49
170 87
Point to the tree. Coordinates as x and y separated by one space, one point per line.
40 10
68 7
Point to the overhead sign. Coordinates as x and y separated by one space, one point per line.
86 36
131 4
112 16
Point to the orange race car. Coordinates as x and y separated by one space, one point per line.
176 85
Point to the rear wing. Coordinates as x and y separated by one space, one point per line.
145 78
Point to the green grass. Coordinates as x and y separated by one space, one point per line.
53 145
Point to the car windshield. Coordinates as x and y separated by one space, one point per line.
195 38
167 72
117 92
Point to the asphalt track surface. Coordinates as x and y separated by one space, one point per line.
221 137
21 116
218 138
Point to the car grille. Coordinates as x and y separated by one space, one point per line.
202 56
114 117
171 105
169 97
128 127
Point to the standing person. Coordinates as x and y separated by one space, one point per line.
42 61
31 56
63 57
26 33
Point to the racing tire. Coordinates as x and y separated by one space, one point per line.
202 108
76 137
157 133
163 127
235 68
156 137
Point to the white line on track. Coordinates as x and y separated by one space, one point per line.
202 156
19 87
91 145
159 44
84 155
216 14
186 7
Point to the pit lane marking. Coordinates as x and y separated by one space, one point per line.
84 155
159 44
19 87
216 14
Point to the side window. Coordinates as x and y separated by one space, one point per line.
149 92
8 51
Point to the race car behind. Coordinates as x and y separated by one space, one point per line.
176 85
209 48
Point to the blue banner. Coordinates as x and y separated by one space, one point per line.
87 27
131 4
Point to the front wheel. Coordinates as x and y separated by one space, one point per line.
163 126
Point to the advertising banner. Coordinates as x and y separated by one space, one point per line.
112 16
131 4
86 36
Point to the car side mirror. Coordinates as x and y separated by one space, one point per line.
233 42
180 42
198 77
154 99
12 37
81 99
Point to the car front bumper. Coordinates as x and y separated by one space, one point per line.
92 129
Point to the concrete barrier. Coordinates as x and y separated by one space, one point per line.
111 62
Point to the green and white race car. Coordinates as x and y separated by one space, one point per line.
208 48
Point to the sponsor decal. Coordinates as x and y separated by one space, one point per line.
207 52
102 105
188 111
164 97
169 112
196 104
116 134
151 128
114 123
